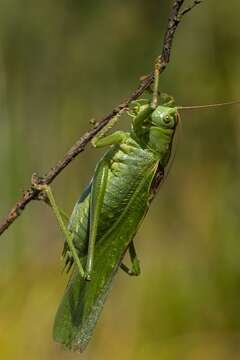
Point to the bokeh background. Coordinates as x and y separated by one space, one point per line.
63 62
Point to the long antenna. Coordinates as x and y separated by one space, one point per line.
207 106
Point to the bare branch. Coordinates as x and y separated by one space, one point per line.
33 193
185 11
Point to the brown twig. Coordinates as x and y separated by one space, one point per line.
33 193
185 11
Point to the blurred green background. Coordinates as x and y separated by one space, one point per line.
63 62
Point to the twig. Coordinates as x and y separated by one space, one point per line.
185 11
33 193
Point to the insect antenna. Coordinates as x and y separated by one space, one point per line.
199 107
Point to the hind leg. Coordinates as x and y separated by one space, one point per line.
135 268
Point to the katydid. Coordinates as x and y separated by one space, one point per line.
108 214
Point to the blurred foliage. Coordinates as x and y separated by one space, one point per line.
64 62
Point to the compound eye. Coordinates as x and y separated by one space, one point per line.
169 121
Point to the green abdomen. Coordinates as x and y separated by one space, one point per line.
128 165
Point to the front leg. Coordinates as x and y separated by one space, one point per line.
102 133
156 82
117 137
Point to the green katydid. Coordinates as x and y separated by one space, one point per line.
107 216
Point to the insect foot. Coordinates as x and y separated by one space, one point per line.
87 276
37 183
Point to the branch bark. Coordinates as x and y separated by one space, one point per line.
175 18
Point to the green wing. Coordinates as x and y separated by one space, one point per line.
83 300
